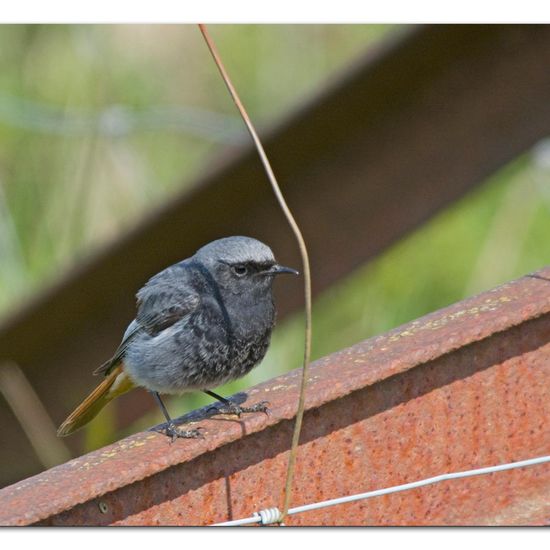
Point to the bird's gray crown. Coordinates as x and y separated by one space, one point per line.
235 250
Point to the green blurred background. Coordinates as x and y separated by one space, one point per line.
99 124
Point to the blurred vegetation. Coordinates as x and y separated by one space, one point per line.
100 123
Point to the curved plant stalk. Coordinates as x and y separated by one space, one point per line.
303 253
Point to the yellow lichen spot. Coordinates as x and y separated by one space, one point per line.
459 313
107 454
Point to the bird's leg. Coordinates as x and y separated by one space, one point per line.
232 408
171 429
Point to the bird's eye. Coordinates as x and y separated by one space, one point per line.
240 270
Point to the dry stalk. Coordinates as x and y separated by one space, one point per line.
303 253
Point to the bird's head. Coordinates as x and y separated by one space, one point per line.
241 265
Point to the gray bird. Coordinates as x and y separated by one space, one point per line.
200 323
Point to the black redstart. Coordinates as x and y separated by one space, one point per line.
200 323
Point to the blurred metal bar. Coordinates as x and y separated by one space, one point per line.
461 388
409 129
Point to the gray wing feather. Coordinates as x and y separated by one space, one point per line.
164 300
163 304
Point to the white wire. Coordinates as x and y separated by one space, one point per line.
258 518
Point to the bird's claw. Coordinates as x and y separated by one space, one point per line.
232 408
174 432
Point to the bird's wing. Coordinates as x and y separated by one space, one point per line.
163 303
164 300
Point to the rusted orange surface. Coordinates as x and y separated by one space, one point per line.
465 387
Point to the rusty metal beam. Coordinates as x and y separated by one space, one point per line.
422 119
461 388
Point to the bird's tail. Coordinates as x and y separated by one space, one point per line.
116 383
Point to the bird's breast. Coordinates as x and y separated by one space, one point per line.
204 351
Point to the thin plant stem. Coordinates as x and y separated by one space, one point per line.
305 264
32 416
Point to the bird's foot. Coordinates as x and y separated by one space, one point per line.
233 408
172 431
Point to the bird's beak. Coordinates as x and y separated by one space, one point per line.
278 269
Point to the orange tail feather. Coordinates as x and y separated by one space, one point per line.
116 383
